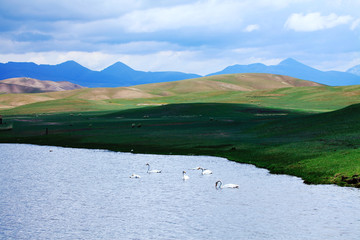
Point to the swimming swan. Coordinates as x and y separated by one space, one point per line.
185 177
152 171
196 168
205 171
230 185
135 176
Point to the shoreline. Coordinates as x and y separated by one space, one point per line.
171 154
319 148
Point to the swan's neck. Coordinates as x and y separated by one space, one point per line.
220 184
148 168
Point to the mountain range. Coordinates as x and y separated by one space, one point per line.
116 75
293 68
119 74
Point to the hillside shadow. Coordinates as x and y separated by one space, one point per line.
206 110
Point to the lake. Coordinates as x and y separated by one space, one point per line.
65 193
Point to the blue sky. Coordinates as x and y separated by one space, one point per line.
200 37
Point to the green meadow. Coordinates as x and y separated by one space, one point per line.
312 132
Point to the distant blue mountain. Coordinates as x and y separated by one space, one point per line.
139 77
119 74
293 68
354 70
116 75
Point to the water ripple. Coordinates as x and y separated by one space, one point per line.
87 194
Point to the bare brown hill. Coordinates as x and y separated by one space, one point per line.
30 85
227 82
205 87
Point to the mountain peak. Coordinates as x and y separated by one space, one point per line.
289 61
119 66
69 63
31 64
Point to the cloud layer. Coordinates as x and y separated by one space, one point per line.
315 21
200 36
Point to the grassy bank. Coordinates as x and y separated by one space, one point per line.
318 147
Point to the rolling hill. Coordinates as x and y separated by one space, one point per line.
30 85
226 82
259 89
284 124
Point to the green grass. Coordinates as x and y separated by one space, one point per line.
319 147
305 99
310 132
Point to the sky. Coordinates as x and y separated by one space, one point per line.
200 37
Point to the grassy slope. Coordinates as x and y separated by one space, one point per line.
320 148
279 129
170 92
313 99
227 82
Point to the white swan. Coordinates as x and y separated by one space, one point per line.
205 171
135 176
196 168
185 177
152 171
230 185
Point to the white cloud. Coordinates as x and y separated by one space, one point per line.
245 50
355 24
91 60
266 61
278 4
335 61
212 14
354 62
252 27
137 47
53 10
200 62
158 61
314 21
200 36
7 45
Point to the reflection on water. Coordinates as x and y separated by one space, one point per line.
88 194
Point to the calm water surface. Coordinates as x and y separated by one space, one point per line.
87 194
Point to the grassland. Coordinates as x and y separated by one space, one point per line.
206 89
310 132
